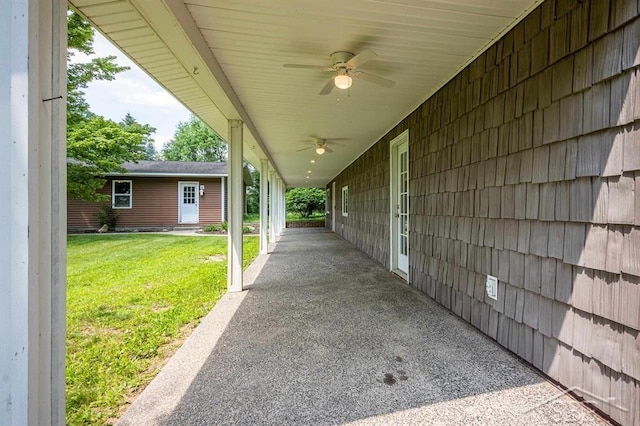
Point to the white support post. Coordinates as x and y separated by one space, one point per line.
264 183
278 205
33 216
283 210
236 201
272 207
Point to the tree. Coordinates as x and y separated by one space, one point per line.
194 141
150 152
130 124
253 191
80 74
305 201
98 146
95 145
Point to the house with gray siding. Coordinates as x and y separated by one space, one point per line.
486 152
526 166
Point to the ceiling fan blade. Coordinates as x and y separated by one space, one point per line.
304 149
374 78
327 87
361 58
331 141
327 149
313 67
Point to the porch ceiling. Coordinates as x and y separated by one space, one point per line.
223 60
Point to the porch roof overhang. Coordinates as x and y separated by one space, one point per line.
224 61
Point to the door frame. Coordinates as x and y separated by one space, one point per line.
196 184
393 186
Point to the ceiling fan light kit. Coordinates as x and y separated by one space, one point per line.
342 80
320 150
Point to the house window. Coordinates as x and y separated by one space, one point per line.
121 194
345 201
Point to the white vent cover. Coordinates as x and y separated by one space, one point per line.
492 287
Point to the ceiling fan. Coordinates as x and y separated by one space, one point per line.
321 145
345 65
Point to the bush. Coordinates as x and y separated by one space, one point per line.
107 216
214 227
305 201
223 227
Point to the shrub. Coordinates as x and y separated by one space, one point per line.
107 216
214 227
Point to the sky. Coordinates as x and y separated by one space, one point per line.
133 92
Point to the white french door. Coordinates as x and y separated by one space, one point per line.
400 204
188 202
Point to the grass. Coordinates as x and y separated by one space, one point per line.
252 217
129 299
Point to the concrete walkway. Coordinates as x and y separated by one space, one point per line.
325 335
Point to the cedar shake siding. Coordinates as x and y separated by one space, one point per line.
154 204
526 166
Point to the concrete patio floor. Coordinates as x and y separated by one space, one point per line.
325 335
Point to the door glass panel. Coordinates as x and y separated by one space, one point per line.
189 195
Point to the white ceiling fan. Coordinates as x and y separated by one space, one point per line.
321 145
345 67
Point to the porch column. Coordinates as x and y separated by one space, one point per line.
236 200
283 210
281 218
272 207
264 212
278 206
33 214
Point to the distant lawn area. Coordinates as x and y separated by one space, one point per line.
131 301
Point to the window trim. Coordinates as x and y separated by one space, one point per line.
113 193
345 201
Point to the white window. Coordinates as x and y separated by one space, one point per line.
345 201
121 194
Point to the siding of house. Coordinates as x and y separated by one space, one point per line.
526 166
154 204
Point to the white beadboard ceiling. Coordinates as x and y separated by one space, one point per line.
224 60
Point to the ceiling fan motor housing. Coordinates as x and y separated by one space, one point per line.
339 59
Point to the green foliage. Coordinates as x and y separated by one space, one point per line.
131 299
297 217
223 228
214 227
305 201
252 217
150 152
100 146
80 74
194 141
107 215
253 191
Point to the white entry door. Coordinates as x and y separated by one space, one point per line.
400 204
188 202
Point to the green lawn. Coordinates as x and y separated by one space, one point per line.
131 299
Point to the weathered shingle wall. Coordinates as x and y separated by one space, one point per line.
367 225
526 166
